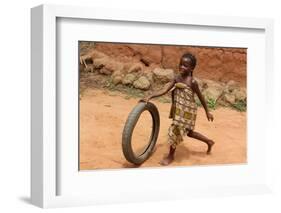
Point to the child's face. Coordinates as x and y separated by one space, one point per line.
186 65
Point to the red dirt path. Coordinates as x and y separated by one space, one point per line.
103 115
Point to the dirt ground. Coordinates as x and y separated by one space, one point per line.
103 114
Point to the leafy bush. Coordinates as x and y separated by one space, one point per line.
240 105
211 103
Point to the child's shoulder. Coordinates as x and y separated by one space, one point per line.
193 81
194 84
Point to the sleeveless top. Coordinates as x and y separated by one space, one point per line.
184 108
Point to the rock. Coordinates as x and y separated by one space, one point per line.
212 93
117 73
142 83
107 65
212 90
240 94
163 75
105 71
231 85
229 98
135 68
149 76
129 79
90 56
100 62
232 94
117 79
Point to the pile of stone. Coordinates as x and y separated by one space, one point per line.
225 94
139 76
131 73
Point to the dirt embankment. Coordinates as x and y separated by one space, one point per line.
220 72
213 63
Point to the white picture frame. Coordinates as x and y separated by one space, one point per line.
49 167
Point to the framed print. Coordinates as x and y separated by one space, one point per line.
100 128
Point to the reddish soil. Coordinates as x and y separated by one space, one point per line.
214 63
103 115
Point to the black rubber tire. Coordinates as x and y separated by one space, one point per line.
129 128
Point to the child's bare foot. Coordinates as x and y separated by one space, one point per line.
167 160
210 144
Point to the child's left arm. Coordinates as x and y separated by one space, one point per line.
196 89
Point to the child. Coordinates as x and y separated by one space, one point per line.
183 109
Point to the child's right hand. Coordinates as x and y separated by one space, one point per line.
210 117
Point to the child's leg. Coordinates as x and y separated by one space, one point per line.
174 138
169 158
201 137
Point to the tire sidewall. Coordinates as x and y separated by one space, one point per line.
129 128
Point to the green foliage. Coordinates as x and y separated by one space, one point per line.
109 85
92 80
240 105
211 103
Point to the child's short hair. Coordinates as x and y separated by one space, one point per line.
191 57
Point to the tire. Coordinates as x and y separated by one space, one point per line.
129 128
